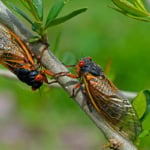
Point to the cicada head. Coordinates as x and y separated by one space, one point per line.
32 78
87 65
36 79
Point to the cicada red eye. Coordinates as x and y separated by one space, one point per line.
39 77
81 63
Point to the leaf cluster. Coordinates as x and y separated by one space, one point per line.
141 104
39 24
132 8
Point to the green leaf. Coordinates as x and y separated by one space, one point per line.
139 4
25 4
34 38
129 8
144 133
36 27
67 17
140 104
142 101
38 6
131 16
20 12
55 10
147 112
57 42
145 117
138 18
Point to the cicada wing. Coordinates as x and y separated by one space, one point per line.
115 108
13 52
129 122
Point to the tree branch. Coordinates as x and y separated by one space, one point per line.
50 62
8 74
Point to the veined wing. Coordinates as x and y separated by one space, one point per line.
111 104
13 53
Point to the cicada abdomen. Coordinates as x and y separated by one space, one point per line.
17 57
107 99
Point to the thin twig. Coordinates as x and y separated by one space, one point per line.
7 74
50 62
129 95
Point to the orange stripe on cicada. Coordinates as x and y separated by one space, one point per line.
17 57
104 96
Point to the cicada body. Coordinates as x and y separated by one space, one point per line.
17 57
107 99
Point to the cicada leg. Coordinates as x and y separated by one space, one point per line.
48 72
46 45
68 74
113 144
68 66
75 91
51 82
87 100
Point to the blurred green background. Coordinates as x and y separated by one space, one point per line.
46 120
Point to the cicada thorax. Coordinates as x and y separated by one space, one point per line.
15 56
107 99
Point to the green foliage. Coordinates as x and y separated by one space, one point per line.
55 10
133 8
21 13
140 104
143 134
65 18
35 7
38 8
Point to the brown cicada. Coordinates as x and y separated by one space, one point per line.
107 99
17 57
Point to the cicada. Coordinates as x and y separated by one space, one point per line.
106 99
18 58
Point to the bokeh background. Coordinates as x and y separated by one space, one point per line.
48 119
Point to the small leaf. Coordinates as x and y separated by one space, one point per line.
67 17
139 4
139 18
25 4
34 39
36 27
147 112
20 12
140 104
38 6
129 8
57 42
55 10
144 133
131 16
